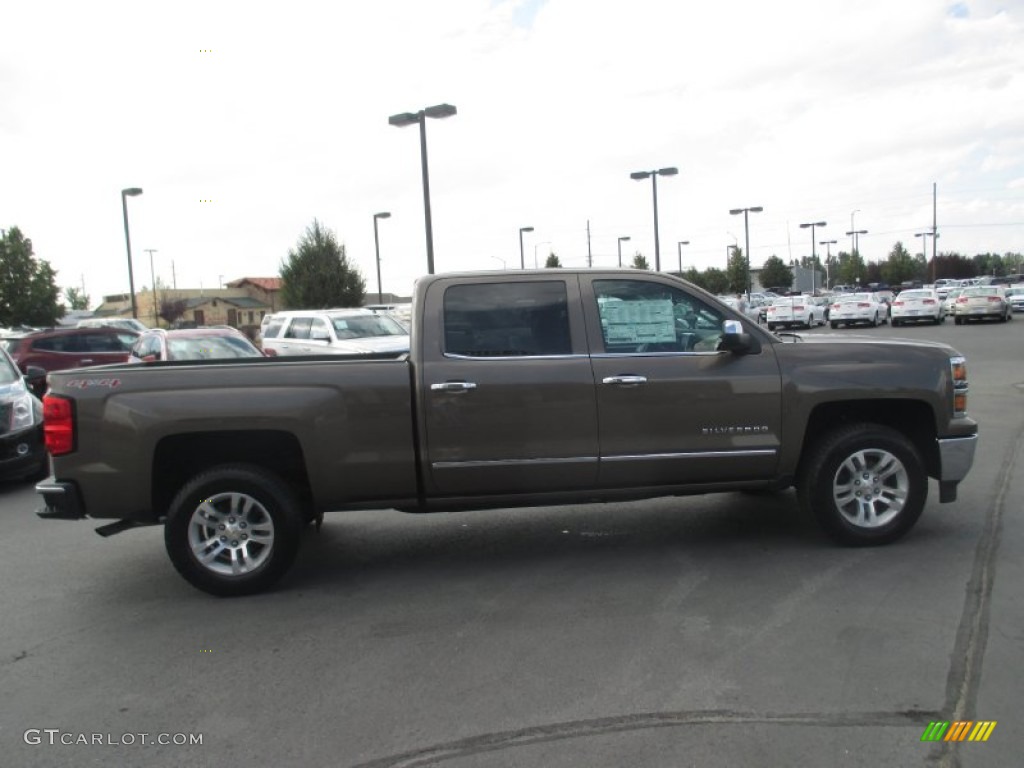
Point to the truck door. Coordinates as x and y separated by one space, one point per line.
672 409
507 387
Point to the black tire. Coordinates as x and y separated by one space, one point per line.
896 323
834 324
828 468
249 500
958 321
874 321
771 326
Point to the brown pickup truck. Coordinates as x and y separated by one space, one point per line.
525 389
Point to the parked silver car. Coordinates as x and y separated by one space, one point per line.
333 331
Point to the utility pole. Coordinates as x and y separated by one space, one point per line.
935 230
152 279
174 276
590 257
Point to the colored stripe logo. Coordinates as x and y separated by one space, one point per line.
959 730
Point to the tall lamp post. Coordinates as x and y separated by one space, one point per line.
411 118
621 240
924 247
746 232
679 247
637 176
814 253
376 247
125 194
828 260
152 280
522 258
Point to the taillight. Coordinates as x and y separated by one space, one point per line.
897 303
994 298
958 369
863 304
962 300
798 309
928 301
58 424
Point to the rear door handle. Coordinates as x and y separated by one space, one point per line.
453 386
87 361
624 381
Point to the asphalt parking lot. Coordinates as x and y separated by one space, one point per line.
706 631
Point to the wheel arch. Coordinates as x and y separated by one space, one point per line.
914 418
177 458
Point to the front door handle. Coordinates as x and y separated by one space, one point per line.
624 381
453 386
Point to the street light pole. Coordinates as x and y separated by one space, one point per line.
636 176
621 239
125 194
679 247
403 119
376 247
152 280
746 230
828 260
522 258
814 253
924 247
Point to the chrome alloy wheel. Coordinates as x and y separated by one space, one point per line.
870 488
231 534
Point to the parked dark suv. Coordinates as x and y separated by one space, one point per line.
58 348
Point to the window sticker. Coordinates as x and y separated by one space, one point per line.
638 322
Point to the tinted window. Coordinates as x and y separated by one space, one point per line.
299 328
507 319
361 326
65 343
640 316
273 329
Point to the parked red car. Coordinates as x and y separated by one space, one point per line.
55 349
192 344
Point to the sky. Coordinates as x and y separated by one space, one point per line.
244 121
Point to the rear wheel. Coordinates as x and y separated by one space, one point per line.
865 484
874 321
233 530
834 324
958 321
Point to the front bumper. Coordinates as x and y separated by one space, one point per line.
956 456
22 452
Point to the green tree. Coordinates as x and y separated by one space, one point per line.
639 262
776 272
318 275
76 298
736 271
29 292
552 261
714 280
899 266
852 269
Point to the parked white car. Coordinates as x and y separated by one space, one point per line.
792 311
981 301
1015 295
855 308
333 331
918 306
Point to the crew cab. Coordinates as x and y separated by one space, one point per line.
535 388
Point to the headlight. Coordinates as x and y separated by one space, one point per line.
22 413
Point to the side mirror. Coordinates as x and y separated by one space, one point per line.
734 339
34 372
319 335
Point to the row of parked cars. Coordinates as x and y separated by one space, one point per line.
28 354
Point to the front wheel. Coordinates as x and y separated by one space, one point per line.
834 324
865 484
233 530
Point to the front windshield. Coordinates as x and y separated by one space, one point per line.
363 326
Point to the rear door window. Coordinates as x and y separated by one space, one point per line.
507 319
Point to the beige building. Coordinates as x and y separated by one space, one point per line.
241 304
